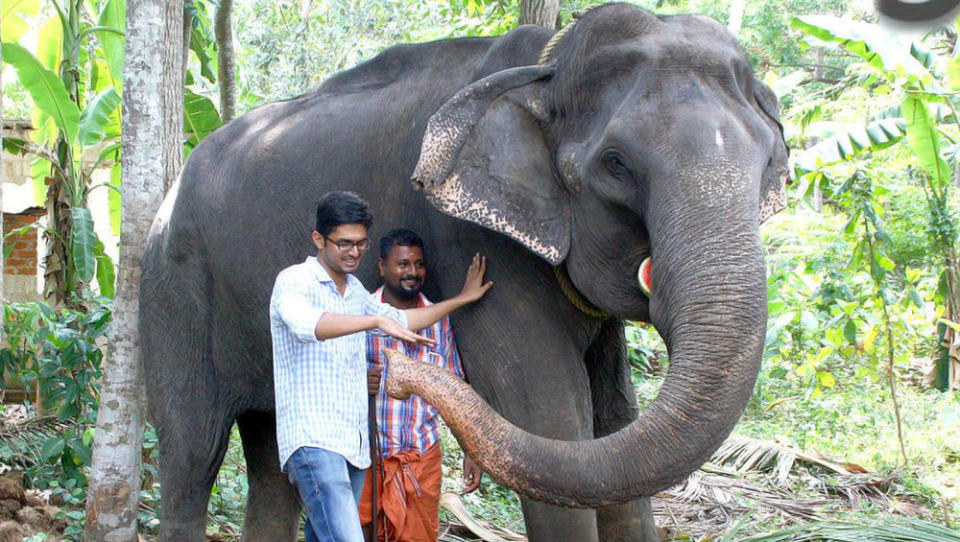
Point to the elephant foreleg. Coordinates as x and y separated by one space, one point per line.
615 406
547 394
549 522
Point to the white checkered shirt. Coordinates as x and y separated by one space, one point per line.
321 386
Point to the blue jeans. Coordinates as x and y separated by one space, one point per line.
330 489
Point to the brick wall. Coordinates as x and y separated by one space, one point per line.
23 258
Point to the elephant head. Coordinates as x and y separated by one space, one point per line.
636 137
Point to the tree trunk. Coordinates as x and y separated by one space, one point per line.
540 12
152 154
187 30
56 264
736 16
225 61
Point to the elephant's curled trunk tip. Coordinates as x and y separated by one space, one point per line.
400 369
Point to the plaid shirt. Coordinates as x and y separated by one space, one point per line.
320 386
411 424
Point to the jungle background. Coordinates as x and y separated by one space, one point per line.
853 431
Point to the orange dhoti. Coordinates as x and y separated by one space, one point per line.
408 499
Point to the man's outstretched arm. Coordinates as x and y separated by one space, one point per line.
473 289
332 325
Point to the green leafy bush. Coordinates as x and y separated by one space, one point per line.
56 355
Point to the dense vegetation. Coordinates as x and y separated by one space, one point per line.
862 266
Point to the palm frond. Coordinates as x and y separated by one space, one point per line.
745 454
20 441
735 496
465 522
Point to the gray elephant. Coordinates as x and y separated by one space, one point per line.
568 162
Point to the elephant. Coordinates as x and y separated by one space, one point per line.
566 158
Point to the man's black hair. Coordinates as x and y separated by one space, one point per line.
336 208
399 237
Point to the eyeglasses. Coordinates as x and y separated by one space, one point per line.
345 245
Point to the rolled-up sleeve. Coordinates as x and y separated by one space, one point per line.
290 303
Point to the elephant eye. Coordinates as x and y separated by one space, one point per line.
613 163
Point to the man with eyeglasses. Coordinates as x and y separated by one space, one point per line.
318 310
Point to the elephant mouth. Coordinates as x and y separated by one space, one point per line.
643 276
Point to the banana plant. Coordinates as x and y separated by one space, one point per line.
925 122
73 78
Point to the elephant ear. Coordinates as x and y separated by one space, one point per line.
773 197
484 159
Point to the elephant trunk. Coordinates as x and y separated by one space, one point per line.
709 302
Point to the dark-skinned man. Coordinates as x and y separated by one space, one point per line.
410 476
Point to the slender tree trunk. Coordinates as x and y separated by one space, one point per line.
152 154
225 61
736 16
187 30
540 12
56 263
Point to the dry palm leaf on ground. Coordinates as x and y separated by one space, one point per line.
753 485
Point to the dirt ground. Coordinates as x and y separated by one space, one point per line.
24 513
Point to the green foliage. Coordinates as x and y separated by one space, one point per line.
93 122
911 74
646 352
46 89
202 41
14 11
200 119
57 354
829 281
285 50
113 16
491 503
888 530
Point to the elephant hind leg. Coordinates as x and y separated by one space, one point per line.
273 510
190 457
192 418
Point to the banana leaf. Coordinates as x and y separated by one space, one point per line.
113 15
96 116
83 243
875 44
924 140
45 88
875 135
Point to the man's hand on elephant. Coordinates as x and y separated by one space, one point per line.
472 474
394 329
473 286
373 380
